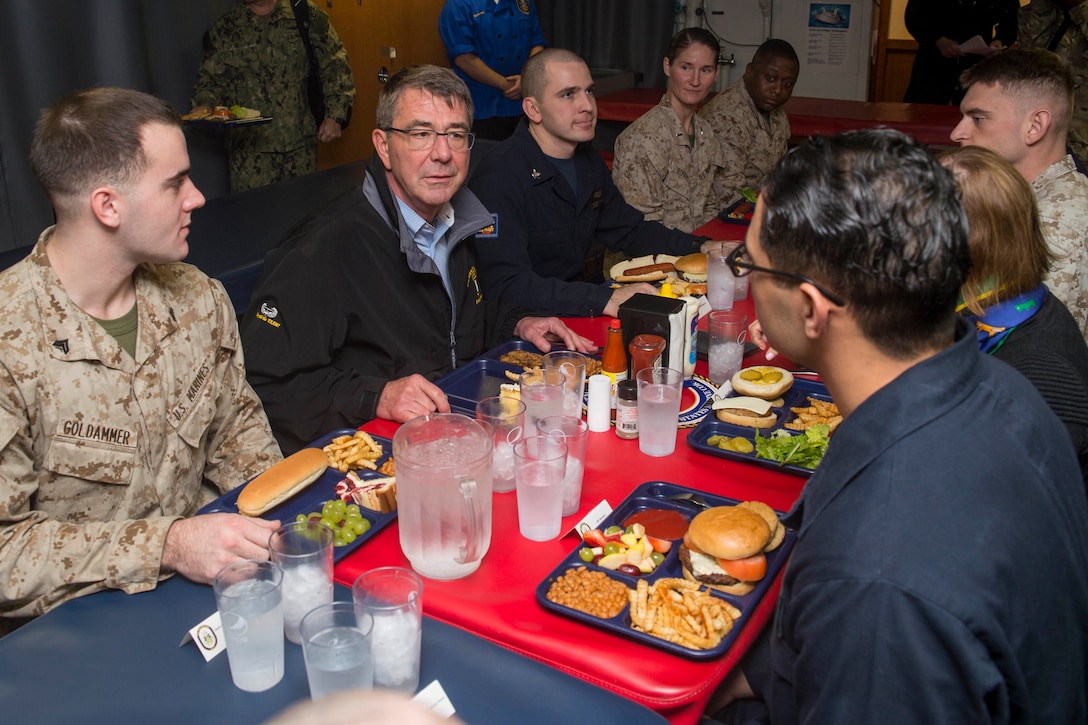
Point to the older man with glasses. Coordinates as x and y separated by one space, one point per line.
368 301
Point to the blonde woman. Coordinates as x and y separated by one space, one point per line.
1016 317
665 161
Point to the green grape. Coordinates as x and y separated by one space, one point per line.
327 508
585 554
332 525
348 534
611 530
612 548
302 518
361 526
657 557
340 506
353 510
339 541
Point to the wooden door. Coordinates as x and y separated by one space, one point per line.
378 34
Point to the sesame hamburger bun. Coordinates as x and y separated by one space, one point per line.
691 267
762 381
728 532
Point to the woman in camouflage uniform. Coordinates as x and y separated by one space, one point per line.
666 160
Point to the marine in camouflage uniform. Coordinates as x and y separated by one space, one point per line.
751 142
261 63
100 451
1062 195
1039 22
662 174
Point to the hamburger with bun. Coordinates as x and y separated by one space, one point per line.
762 381
282 481
691 267
747 411
725 546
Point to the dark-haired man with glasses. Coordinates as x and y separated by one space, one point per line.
368 301
949 494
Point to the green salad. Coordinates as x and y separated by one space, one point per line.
806 450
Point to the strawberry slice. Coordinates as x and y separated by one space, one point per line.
661 545
594 537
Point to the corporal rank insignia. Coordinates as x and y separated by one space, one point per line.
61 345
491 231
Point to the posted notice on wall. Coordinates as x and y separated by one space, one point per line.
830 38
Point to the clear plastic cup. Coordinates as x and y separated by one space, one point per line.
303 550
506 416
540 462
336 648
575 433
248 595
659 393
393 596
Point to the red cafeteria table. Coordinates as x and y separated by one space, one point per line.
498 600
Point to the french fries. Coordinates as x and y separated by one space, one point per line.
353 451
818 411
681 612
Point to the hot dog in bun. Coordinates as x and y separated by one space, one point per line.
725 546
650 268
282 481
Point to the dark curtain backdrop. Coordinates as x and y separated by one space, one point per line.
51 47
621 34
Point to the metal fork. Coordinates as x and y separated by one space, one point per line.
693 498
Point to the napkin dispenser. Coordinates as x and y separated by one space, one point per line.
653 315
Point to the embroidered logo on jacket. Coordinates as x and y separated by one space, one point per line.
491 230
523 6
268 314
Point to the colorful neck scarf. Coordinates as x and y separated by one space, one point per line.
998 321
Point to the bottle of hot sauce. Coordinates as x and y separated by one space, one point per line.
614 359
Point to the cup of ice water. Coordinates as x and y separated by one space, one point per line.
720 281
248 595
659 392
506 416
336 648
573 366
393 597
539 464
575 433
725 354
303 550
543 392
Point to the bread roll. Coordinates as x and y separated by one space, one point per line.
762 381
282 481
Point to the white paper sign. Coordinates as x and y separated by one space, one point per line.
435 699
592 519
208 636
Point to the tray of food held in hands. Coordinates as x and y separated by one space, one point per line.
346 478
225 117
739 212
496 372
673 568
772 419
